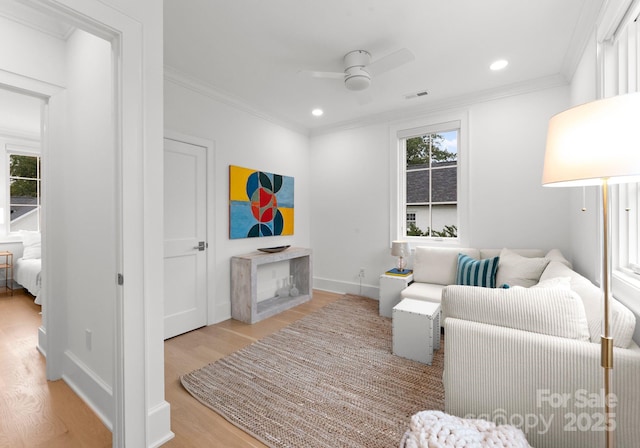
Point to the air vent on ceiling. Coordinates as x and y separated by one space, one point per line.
416 95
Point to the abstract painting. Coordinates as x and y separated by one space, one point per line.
260 203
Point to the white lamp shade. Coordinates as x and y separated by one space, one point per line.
594 141
400 249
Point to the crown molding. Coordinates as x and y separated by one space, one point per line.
31 18
461 101
582 34
177 77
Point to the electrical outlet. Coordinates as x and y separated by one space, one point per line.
361 273
87 335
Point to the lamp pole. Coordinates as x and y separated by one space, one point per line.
606 341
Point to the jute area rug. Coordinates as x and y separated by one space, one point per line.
327 380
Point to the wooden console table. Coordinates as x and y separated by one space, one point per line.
244 283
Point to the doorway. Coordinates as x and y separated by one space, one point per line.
75 76
134 33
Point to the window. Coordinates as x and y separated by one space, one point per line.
431 184
429 179
24 192
626 216
621 74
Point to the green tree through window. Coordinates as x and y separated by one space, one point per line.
418 150
24 188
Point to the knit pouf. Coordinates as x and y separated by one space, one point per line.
435 429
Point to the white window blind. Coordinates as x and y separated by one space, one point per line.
620 75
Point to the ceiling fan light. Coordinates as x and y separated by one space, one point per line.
357 82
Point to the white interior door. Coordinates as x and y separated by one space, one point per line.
185 223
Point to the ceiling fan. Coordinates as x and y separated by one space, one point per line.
358 68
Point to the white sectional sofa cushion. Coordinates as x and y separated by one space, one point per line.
551 311
438 265
430 292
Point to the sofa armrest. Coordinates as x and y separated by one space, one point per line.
551 311
549 386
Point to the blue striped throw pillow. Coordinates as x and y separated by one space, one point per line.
472 272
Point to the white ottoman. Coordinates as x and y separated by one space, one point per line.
416 329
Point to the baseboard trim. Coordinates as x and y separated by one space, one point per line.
341 287
222 312
97 394
159 425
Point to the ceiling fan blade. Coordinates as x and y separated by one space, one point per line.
316 74
390 61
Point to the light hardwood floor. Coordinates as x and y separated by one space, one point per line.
35 413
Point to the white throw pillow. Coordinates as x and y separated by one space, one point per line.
623 321
32 244
516 270
556 255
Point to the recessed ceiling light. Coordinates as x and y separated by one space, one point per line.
499 65
317 112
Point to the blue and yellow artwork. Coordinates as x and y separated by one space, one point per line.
260 203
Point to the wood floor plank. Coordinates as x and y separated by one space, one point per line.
36 413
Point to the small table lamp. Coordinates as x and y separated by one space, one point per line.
597 143
400 249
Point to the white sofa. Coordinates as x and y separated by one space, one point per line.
435 268
529 355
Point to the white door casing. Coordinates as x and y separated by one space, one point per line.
185 230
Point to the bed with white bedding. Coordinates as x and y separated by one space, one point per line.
27 274
28 267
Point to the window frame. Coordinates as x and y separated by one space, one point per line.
618 59
20 150
428 124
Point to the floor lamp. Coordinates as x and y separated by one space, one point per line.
597 143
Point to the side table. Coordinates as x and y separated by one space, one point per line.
6 263
416 330
390 287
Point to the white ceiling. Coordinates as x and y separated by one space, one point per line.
252 50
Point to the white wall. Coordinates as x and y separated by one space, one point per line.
508 205
350 215
584 224
31 53
243 139
89 219
19 114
